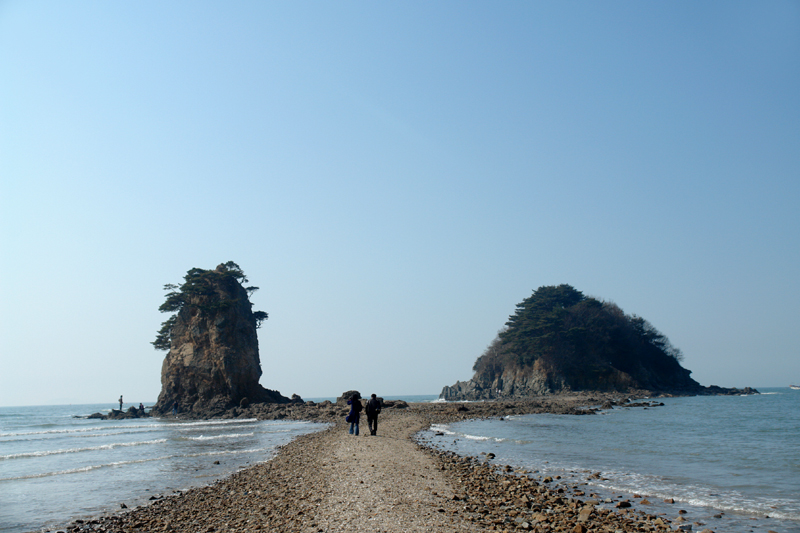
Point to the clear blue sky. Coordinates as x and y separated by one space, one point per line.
395 177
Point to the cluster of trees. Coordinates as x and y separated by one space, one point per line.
202 283
582 338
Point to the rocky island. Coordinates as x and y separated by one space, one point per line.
559 340
212 364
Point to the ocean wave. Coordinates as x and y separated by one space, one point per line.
510 440
736 503
67 431
225 436
200 429
228 452
476 437
78 450
43 437
84 469
437 428
215 422
698 495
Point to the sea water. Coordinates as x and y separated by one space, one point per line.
55 467
731 462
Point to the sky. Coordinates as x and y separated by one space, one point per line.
395 177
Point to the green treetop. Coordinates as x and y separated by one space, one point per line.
199 282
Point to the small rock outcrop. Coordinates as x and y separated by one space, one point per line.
213 362
342 400
132 412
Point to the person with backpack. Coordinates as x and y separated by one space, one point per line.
355 413
372 410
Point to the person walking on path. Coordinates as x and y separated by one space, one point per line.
373 409
355 413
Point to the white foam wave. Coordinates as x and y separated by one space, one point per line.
476 437
227 452
695 495
217 422
84 469
78 430
197 429
437 428
226 436
78 450
41 437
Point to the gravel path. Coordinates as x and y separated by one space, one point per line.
386 483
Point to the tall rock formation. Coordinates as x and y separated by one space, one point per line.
560 340
213 362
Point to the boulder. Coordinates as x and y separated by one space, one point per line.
342 400
115 414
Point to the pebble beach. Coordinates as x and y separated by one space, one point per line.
331 481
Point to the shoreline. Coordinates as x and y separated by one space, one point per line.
331 481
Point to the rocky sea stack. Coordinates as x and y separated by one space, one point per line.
560 340
213 362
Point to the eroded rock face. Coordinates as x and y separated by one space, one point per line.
504 383
519 383
213 363
542 378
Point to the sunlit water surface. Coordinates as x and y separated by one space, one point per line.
738 456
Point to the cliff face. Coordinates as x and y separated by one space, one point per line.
213 362
560 340
491 384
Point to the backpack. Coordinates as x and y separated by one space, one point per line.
373 407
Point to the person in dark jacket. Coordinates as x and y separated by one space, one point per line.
355 413
372 410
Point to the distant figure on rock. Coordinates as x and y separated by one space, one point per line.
372 410
355 413
175 408
141 407
120 402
